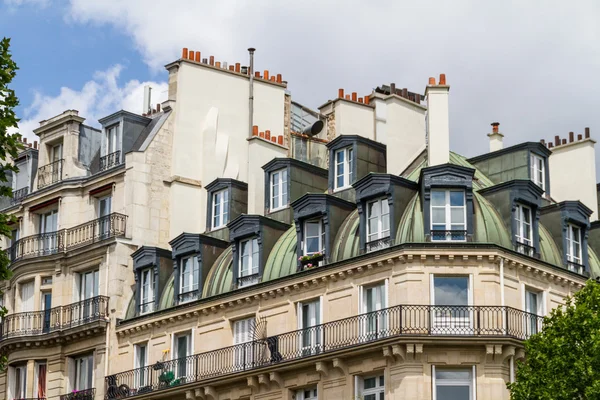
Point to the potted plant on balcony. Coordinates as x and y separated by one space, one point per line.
166 378
312 259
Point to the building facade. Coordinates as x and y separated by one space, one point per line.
234 244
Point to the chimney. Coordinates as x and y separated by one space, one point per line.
495 138
147 99
438 127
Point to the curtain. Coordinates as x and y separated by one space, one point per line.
42 381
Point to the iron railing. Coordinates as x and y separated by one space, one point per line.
110 160
34 323
30 398
42 244
575 267
147 307
188 296
448 235
525 249
87 394
50 173
248 280
18 195
378 244
402 320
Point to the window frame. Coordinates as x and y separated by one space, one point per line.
253 258
380 319
151 295
448 207
379 389
182 364
22 388
282 184
472 381
139 370
223 203
571 242
193 275
89 358
300 394
347 165
320 235
535 161
314 336
380 219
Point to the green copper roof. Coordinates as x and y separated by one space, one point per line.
594 263
548 250
220 276
167 299
282 261
489 227
411 225
347 242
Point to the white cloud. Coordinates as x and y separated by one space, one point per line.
18 3
97 98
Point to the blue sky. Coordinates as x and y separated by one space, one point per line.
533 66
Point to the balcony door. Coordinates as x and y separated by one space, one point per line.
18 382
309 321
243 336
48 235
183 351
56 154
534 307
88 289
374 320
104 206
46 306
40 380
451 313
82 377
28 321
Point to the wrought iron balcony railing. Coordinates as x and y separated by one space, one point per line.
389 323
30 398
525 249
50 173
378 244
451 235
248 280
35 323
147 307
188 296
575 267
42 244
87 394
110 160
18 195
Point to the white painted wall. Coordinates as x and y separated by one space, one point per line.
438 149
573 174
354 119
496 142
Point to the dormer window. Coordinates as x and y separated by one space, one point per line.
524 233
574 257
249 261
112 153
344 176
378 220
538 171
147 291
314 237
188 282
220 209
279 189
448 215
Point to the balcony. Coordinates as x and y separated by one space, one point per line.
575 267
371 328
248 280
448 236
525 249
378 244
50 173
110 160
18 195
87 394
43 244
61 318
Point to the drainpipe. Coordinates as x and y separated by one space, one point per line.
106 286
502 290
512 369
251 96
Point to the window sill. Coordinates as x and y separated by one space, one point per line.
341 189
272 210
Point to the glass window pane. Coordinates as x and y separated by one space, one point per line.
457 215
451 290
457 198
438 216
339 156
453 392
370 383
454 374
373 209
438 198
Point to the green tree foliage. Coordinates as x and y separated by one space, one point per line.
9 148
563 361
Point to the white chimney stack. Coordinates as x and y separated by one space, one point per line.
146 107
495 138
438 125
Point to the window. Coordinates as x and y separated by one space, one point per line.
104 205
448 215
182 345
538 172
453 384
523 235
378 221
534 306
309 320
306 394
140 354
243 336
46 280
84 369
39 387
27 290
373 303
56 153
574 248
451 298
370 388
112 139
300 148
249 256
220 205
48 226
19 381
146 291
314 237
344 176
188 284
279 189
88 290
46 307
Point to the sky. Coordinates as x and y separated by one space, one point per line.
533 66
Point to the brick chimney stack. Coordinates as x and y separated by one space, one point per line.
438 135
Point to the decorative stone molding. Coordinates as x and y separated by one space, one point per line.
322 368
276 377
263 379
253 382
399 352
340 364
